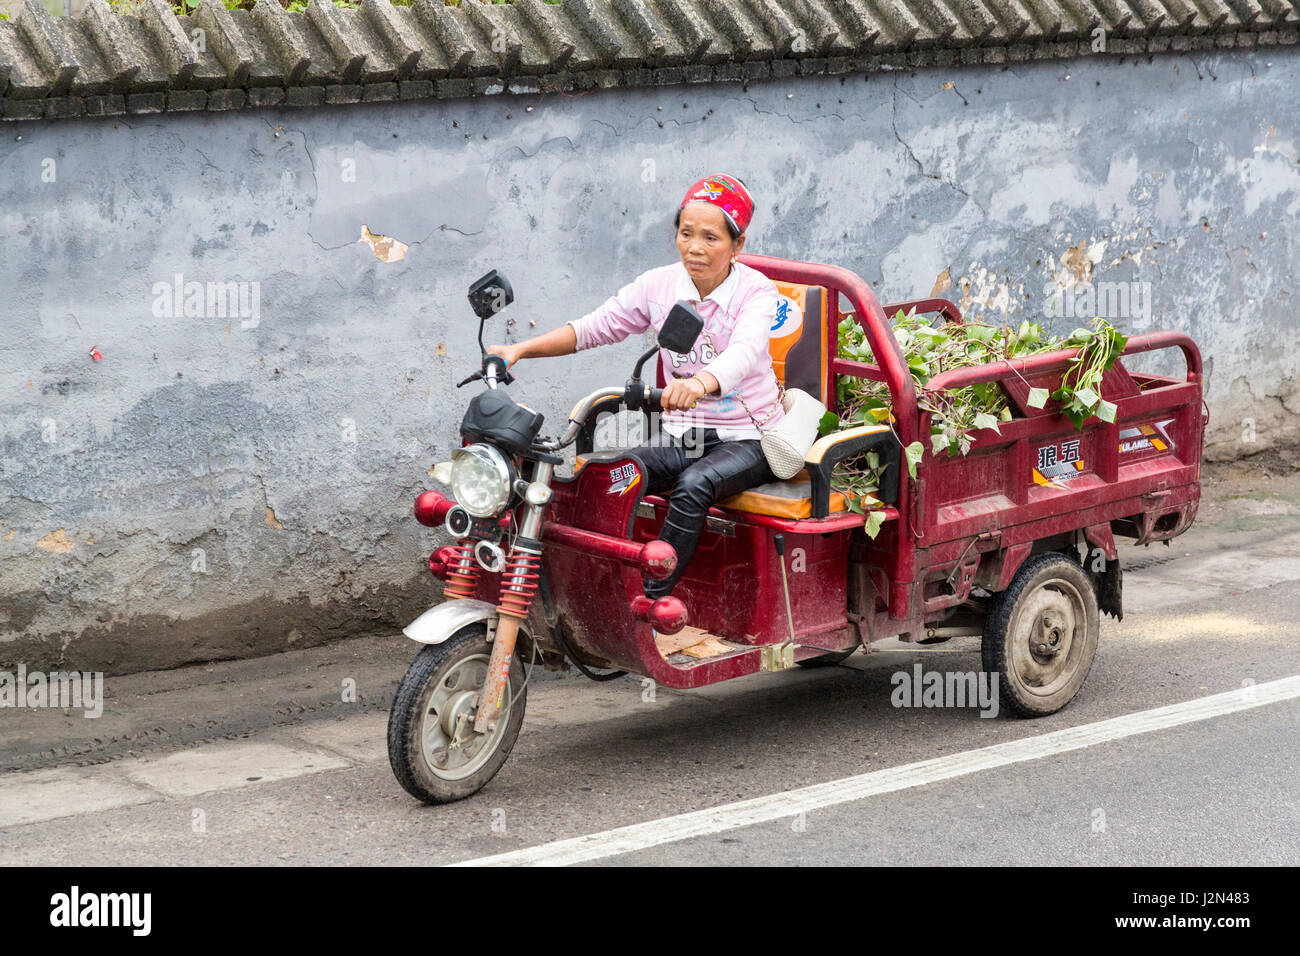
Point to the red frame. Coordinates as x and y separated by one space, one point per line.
970 520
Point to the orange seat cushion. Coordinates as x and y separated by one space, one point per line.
782 499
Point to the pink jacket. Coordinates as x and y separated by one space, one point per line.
738 315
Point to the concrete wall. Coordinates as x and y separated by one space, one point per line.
230 485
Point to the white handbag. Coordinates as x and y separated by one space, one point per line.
786 445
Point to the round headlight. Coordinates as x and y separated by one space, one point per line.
480 480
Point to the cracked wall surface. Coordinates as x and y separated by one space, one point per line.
218 485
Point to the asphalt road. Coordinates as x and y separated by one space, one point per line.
261 762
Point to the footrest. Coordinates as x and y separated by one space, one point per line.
692 644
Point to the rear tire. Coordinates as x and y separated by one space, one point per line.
432 748
1040 636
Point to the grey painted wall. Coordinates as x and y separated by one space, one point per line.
219 486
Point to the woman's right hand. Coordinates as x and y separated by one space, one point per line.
511 353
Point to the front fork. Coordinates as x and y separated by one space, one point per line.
518 585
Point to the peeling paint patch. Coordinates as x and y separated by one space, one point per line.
271 519
1077 262
982 291
942 283
57 542
385 248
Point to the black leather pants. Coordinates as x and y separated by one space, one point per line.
701 469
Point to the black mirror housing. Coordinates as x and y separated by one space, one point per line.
682 327
490 294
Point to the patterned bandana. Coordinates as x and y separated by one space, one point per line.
728 194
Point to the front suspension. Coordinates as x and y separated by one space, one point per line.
518 586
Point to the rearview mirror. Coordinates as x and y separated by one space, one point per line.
681 328
490 294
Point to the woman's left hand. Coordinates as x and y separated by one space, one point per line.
682 393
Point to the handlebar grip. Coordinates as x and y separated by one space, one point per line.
503 370
654 397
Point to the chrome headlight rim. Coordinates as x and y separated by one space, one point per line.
504 472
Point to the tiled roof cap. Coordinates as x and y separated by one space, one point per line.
103 63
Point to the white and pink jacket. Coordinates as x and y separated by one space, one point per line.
737 316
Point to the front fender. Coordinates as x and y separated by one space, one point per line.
439 623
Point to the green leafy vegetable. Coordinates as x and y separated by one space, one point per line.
958 413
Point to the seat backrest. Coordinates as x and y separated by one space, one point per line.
798 344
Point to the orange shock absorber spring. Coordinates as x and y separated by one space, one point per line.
519 582
462 571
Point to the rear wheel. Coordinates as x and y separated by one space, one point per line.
1040 636
432 747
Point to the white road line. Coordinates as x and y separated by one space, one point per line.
776 806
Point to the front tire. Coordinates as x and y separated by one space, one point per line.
1040 636
432 747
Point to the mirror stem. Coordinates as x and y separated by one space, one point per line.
636 374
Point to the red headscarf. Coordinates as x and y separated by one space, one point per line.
728 194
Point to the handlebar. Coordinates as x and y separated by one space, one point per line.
494 371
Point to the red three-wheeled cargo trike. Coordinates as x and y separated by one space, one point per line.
546 569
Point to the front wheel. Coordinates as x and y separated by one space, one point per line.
1040 636
434 751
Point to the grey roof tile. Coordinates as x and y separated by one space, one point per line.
686 31
93 77
812 32
546 20
274 28
224 40
1012 16
862 26
978 20
741 28
118 54
1249 12
208 72
457 48
832 38
169 40
51 48
901 27
493 21
349 48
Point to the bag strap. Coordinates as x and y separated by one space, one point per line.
780 390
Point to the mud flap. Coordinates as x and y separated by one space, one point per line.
1101 562
1109 585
